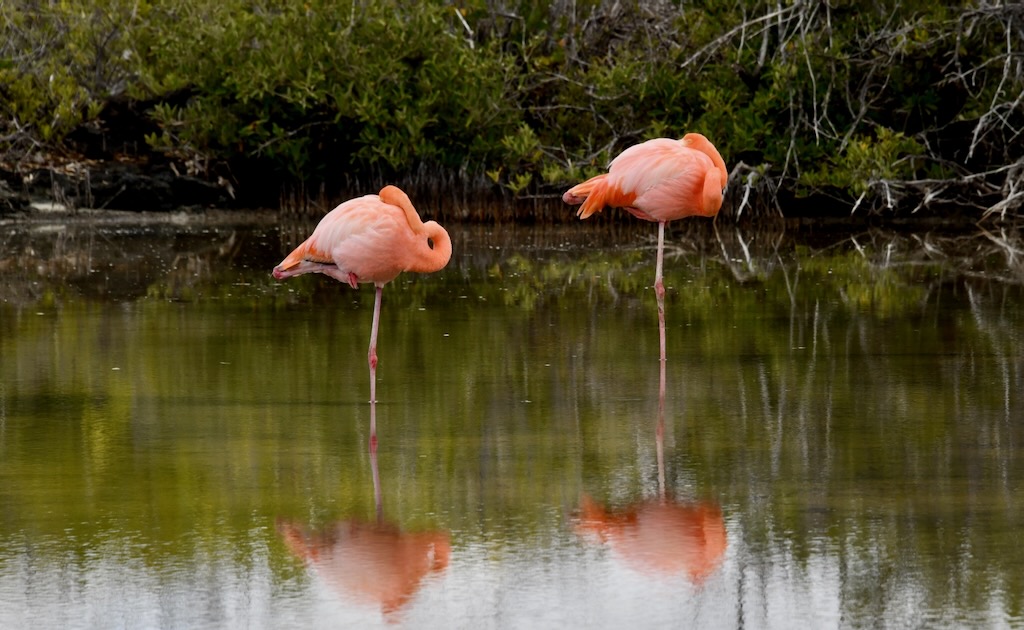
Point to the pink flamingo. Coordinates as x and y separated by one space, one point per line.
659 180
371 239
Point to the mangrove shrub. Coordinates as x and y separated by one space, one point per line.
871 105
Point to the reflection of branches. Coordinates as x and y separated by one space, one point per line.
48 252
111 260
610 258
198 262
972 256
750 262
1004 244
1000 335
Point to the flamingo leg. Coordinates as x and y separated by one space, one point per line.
659 290
371 356
659 284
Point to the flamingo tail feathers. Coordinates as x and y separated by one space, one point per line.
590 195
596 193
298 255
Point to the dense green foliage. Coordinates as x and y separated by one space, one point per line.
878 104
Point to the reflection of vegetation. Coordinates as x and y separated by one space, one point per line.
852 401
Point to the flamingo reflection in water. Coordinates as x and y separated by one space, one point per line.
372 562
659 536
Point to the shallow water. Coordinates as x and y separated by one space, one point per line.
184 440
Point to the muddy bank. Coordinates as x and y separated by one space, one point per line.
88 186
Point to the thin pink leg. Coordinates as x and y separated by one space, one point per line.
659 288
371 356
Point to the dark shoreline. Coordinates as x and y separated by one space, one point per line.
94 189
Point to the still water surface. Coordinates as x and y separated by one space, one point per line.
183 441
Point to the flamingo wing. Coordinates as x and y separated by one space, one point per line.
362 240
370 240
665 179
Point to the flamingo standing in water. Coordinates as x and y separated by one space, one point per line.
371 239
659 180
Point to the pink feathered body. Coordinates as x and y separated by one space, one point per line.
658 180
